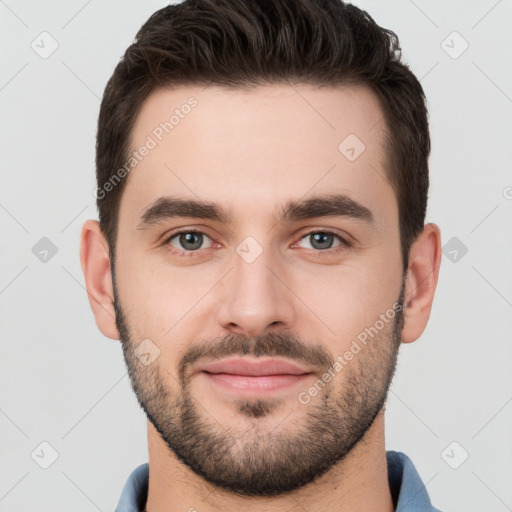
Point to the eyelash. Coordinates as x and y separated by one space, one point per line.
325 252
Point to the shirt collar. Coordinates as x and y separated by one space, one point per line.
407 489
135 490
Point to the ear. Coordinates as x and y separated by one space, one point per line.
421 281
95 260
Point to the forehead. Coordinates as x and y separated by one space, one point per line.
255 149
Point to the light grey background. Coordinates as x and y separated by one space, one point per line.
63 383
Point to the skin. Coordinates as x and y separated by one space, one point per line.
253 151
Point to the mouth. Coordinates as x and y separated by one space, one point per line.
254 377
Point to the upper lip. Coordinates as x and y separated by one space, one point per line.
241 366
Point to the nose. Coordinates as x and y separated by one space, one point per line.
255 297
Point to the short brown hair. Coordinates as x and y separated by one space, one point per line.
246 43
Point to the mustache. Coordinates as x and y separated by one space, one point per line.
271 345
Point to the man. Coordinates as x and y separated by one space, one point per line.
288 145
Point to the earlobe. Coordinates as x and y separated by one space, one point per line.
422 277
95 261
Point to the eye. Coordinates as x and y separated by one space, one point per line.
187 240
323 240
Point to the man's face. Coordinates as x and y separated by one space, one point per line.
257 284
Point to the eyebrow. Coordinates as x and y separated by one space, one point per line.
333 205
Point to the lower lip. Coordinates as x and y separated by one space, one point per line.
258 384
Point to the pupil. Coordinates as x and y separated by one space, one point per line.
188 238
324 240
320 238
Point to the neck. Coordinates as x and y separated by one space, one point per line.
358 483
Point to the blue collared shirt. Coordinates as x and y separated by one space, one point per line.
405 484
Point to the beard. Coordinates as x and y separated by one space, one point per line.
261 461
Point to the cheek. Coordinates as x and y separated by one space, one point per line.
167 303
159 298
343 301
